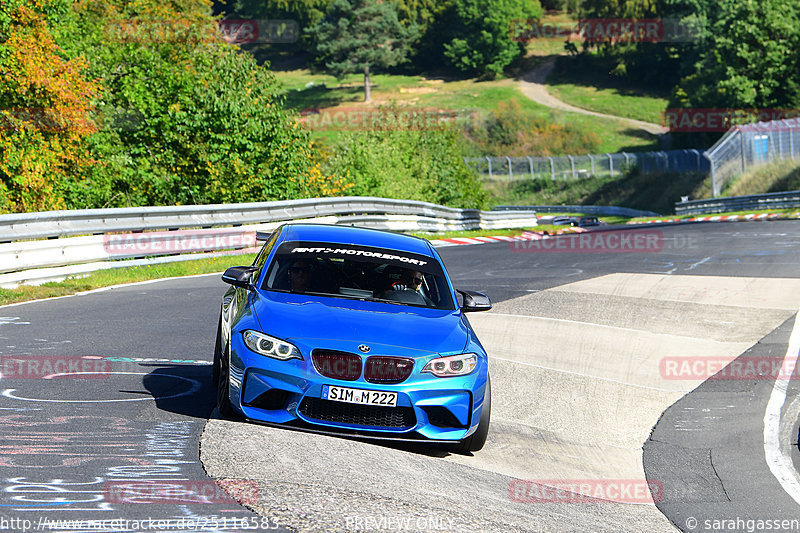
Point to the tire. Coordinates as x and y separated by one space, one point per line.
475 442
217 354
221 379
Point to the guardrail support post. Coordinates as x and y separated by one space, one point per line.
741 147
714 184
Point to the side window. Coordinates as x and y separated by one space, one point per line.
261 258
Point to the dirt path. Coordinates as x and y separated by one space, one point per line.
532 85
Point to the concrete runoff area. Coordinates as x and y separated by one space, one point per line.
577 387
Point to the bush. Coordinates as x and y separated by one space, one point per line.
510 131
416 165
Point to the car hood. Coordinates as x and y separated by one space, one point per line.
344 324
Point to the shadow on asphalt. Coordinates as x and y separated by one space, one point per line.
182 389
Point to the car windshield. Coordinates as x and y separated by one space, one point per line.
358 272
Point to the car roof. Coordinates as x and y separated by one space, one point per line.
353 235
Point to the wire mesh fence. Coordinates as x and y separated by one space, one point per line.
572 167
751 145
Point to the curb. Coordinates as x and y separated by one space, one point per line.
526 236
722 218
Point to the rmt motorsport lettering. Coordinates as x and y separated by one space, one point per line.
361 253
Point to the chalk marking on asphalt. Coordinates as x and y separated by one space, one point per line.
779 464
573 373
697 264
9 393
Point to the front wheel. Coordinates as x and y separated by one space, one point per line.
475 442
221 377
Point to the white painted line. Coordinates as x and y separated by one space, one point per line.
779 464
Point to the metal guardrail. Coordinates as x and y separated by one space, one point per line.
40 247
597 210
93 221
777 200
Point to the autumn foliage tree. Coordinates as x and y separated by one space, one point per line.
185 117
45 105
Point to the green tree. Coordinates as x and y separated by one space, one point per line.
655 64
359 35
751 58
305 12
184 117
478 33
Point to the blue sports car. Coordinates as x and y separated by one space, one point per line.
356 331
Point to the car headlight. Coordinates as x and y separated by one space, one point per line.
270 346
452 365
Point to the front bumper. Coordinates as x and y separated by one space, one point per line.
283 392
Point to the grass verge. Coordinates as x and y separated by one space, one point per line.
775 177
573 82
116 276
651 192
464 97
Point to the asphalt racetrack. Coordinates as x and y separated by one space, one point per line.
604 417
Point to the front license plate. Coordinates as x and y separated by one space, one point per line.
360 396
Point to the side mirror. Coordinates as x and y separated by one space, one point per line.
474 301
239 276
